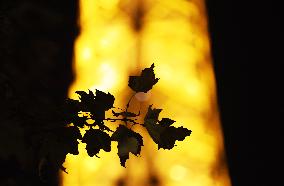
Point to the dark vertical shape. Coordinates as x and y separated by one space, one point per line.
227 25
36 51
249 34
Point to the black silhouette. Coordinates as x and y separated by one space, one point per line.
93 107
144 82
162 132
128 141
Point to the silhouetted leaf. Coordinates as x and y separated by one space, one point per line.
72 106
171 134
63 140
163 134
86 100
166 122
70 112
79 121
96 104
85 97
96 140
68 139
58 144
104 101
128 141
144 82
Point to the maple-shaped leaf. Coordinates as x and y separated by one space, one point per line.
166 122
56 145
162 132
96 140
69 113
86 100
96 104
79 121
71 106
128 141
69 139
85 97
144 82
104 100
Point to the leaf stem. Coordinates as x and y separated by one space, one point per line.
128 103
127 106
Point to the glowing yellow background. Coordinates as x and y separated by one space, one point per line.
173 35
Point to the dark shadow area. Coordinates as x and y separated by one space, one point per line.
36 48
245 39
230 58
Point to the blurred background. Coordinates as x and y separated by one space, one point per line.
119 38
49 49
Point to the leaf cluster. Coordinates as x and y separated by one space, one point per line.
89 113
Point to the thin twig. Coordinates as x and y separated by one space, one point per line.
127 106
128 103
116 119
121 119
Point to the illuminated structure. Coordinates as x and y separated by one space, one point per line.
118 38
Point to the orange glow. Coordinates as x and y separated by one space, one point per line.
118 37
